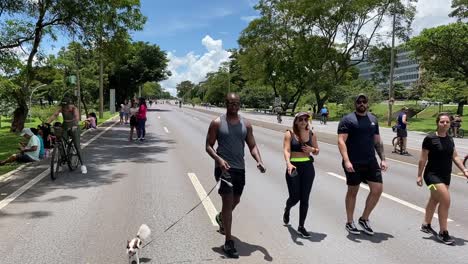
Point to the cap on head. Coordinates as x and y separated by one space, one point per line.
361 95
26 131
67 101
301 114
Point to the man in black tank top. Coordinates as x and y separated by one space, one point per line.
231 132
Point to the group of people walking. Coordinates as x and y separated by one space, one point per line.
133 112
358 142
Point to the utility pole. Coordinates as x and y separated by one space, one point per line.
392 63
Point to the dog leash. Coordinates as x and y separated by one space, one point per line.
173 224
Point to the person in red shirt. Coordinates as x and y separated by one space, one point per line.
141 119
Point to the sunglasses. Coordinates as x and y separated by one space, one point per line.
361 102
305 119
233 103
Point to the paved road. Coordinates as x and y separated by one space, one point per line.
88 218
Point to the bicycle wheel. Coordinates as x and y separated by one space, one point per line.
450 132
72 157
461 133
55 162
396 145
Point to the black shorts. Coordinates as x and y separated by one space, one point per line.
402 133
133 121
237 180
363 173
433 178
24 158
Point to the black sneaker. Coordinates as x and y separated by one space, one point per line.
365 225
230 250
286 217
219 220
445 238
427 228
351 227
303 232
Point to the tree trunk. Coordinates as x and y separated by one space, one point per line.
460 107
84 105
19 116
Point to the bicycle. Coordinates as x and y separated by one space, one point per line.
323 119
64 152
278 118
397 143
460 134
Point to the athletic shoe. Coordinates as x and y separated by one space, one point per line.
230 250
84 170
303 232
445 238
365 225
219 220
351 227
286 217
427 229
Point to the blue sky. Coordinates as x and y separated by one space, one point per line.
180 25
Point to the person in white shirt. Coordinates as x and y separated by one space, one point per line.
30 152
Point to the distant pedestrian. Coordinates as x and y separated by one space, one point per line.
141 119
358 140
298 144
133 119
435 166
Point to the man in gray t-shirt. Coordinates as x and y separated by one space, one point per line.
231 132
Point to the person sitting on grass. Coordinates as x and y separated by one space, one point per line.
29 152
90 122
38 132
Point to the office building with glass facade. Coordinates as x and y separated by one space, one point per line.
407 70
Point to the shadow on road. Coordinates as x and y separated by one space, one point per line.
458 240
100 157
314 237
245 249
376 238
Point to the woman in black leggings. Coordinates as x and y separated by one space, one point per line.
438 153
300 173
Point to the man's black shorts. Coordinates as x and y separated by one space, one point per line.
24 158
401 133
364 173
237 179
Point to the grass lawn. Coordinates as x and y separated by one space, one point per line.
9 141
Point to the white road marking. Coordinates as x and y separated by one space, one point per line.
390 197
7 175
196 118
209 207
39 177
167 130
159 117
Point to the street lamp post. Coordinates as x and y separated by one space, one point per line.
30 98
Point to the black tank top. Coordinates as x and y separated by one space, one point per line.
296 145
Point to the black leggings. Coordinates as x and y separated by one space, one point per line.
299 188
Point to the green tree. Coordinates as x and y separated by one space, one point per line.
446 59
184 89
461 9
26 23
151 89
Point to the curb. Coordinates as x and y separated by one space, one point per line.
10 173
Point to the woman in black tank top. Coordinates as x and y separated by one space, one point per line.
298 144
438 153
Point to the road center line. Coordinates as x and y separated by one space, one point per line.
390 197
209 207
167 130
10 198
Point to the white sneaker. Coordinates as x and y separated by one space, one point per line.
83 169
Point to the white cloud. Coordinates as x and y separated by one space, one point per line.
194 67
248 18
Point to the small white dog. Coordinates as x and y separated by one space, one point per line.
134 246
